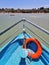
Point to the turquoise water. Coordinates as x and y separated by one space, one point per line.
14 52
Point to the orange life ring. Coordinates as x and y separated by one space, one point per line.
38 53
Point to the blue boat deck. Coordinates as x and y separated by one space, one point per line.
14 54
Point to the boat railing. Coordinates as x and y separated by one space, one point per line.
35 25
24 20
9 36
24 26
37 35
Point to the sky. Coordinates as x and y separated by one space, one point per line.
24 4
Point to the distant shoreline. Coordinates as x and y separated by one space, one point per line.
34 10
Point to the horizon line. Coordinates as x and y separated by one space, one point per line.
21 8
